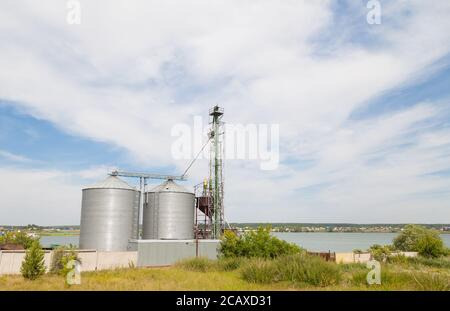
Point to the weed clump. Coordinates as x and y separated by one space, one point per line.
198 264
299 269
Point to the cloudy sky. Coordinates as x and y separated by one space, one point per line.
363 110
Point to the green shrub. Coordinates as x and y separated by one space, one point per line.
299 269
17 237
380 253
198 264
65 260
230 264
398 259
23 239
55 264
260 271
33 265
431 246
8 237
259 243
61 257
426 242
308 269
231 245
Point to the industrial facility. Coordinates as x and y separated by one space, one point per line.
176 222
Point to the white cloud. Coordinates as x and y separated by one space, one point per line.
129 72
38 196
44 196
13 157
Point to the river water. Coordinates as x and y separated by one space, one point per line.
317 241
48 241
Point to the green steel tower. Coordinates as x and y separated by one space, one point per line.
216 169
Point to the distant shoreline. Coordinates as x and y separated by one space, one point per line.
68 230
312 232
265 223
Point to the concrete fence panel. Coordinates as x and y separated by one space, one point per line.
152 253
11 261
91 260
352 257
48 259
88 260
113 260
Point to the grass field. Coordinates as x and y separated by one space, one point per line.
170 278
59 233
244 275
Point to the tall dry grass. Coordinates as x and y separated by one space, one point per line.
299 269
284 273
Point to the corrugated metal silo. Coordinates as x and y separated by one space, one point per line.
168 213
109 215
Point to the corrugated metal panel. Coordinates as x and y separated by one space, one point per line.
169 213
164 252
108 215
150 216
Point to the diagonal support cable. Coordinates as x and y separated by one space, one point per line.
196 157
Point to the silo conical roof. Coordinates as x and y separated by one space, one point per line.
170 186
112 182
